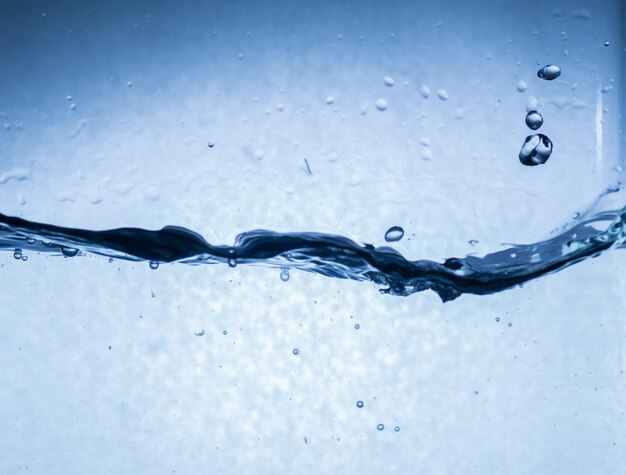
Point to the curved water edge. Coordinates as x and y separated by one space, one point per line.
330 255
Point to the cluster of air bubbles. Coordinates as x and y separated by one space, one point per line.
537 148
284 275
394 233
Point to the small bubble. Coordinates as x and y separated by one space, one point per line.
295 351
394 233
17 254
154 265
30 240
549 72
359 404
536 150
476 392
284 275
110 260
357 326
330 100
442 94
200 333
534 120
232 262
497 319
211 144
381 104
510 324
225 332
606 43
24 258
521 86
425 91
69 251
396 428
388 81
380 426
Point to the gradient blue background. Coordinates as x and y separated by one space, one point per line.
106 111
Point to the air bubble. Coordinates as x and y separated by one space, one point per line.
211 144
232 262
284 275
24 258
154 265
536 150
295 351
396 428
521 86
17 254
357 326
380 426
394 233
381 104
442 94
534 120
549 72
389 81
606 43
425 91
69 251
30 240
359 404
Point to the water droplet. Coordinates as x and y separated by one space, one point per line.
380 426
536 150
442 94
211 144
154 265
381 104
521 86
534 120
17 254
284 275
295 351
359 404
549 72
357 326
397 428
30 240
394 233
232 262
69 251
388 81
606 43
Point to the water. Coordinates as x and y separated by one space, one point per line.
150 321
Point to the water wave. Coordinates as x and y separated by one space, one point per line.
330 255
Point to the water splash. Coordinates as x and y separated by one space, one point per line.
331 255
